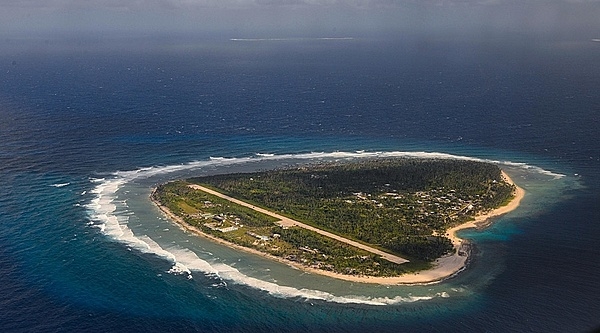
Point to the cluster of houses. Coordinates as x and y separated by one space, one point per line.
218 223
429 202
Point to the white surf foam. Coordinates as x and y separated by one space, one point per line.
419 154
186 261
103 213
287 39
235 276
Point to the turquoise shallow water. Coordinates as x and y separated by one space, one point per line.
83 249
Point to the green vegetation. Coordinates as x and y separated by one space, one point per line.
402 206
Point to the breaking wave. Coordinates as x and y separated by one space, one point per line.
60 184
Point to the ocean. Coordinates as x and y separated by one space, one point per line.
87 129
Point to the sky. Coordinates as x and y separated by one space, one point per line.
298 18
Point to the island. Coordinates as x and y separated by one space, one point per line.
386 221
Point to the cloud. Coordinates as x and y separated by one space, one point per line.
244 4
252 17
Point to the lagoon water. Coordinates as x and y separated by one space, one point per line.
87 131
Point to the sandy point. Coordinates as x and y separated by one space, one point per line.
450 265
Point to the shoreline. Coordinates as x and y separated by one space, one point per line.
443 268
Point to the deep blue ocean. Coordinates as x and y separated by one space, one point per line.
88 128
